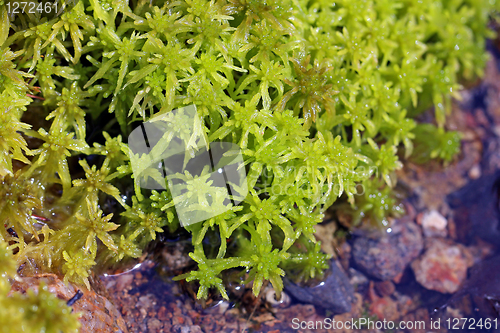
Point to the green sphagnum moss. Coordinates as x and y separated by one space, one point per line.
319 96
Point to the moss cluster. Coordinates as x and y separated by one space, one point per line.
319 96
31 312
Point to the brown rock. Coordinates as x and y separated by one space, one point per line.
154 325
384 288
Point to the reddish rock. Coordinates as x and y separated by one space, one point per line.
382 307
443 266
98 314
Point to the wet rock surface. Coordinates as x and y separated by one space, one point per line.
98 314
150 304
484 287
335 293
477 210
442 267
387 256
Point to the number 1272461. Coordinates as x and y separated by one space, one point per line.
32 7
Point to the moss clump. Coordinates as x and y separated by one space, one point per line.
31 312
319 96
